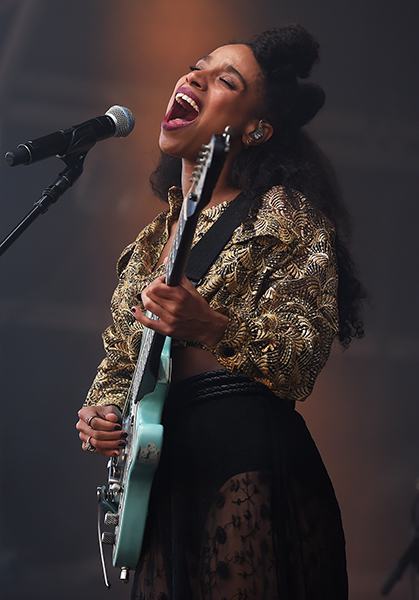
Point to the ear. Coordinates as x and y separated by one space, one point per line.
257 133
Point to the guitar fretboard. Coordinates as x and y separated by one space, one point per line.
180 228
147 343
177 259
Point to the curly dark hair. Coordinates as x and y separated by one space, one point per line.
290 157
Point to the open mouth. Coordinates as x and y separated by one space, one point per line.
184 111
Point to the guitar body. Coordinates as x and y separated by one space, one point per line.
141 461
126 498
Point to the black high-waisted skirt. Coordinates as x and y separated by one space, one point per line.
241 507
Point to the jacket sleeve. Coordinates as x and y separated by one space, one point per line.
283 313
114 373
120 340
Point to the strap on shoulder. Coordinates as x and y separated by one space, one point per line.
204 253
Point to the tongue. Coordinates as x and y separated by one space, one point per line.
182 113
179 121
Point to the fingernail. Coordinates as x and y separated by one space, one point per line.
121 444
117 428
124 435
133 310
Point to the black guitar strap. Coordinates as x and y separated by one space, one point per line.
210 245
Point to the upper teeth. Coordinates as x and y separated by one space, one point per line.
179 97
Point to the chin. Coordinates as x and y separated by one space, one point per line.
169 146
179 146
166 145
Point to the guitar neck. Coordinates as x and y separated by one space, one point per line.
180 249
204 180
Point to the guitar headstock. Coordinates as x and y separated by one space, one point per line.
208 167
204 179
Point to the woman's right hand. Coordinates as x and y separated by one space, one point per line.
100 430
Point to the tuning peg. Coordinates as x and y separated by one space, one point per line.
108 538
111 519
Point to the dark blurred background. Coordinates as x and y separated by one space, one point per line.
62 63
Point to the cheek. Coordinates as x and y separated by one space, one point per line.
237 112
234 117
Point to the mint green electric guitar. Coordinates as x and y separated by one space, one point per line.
125 499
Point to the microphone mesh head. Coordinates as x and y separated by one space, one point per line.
123 118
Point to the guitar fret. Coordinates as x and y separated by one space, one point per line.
175 245
147 342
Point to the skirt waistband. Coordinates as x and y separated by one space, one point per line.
221 383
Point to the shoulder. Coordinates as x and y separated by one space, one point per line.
289 216
150 235
291 207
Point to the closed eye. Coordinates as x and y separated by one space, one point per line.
230 84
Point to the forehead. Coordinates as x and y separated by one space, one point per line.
238 56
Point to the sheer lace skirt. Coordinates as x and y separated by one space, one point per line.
242 507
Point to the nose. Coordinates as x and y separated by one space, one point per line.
197 79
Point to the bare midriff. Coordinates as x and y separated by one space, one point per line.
190 361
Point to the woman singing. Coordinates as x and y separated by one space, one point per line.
241 505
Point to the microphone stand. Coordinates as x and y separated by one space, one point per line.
50 195
409 557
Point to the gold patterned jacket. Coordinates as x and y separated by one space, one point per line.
276 281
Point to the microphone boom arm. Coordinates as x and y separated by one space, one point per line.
50 195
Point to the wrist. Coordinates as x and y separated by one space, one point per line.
216 330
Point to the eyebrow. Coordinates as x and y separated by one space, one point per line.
229 68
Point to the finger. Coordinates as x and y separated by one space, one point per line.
101 445
98 418
99 425
100 451
113 417
169 305
87 411
157 325
188 285
104 424
159 282
103 436
158 290
156 307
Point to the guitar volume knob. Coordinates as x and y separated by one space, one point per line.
108 538
111 519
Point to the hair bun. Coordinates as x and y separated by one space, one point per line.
307 102
286 52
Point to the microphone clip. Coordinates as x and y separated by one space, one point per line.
65 179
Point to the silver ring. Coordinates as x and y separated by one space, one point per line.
90 419
89 446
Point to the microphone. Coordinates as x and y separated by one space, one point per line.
116 122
